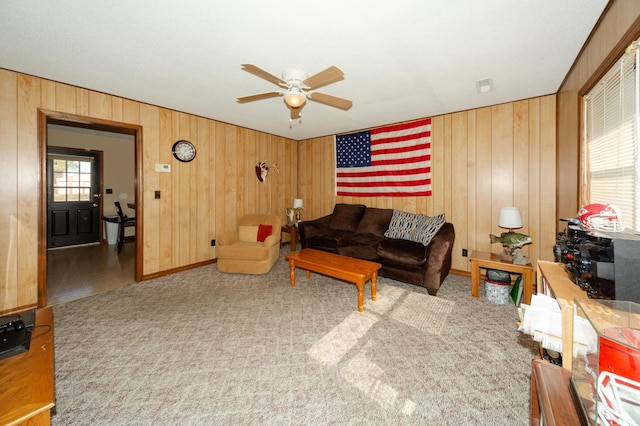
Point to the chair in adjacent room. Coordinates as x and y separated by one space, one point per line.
254 248
124 222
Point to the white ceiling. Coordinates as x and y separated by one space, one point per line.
402 60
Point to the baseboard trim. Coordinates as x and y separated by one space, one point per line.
179 269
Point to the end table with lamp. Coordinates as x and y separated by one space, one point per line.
510 260
486 260
293 232
294 215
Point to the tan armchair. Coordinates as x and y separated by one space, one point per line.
241 252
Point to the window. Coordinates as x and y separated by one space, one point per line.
71 179
611 153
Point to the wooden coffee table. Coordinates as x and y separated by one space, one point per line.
337 266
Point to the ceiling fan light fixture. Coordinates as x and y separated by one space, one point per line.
294 98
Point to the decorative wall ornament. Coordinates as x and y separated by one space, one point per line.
262 170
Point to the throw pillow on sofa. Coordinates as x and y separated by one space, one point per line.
263 232
247 233
414 227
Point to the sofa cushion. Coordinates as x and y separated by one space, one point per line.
403 252
248 233
346 217
361 246
414 227
358 239
244 250
327 241
374 221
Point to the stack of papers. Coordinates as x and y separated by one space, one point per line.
542 319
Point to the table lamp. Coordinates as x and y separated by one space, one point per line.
512 242
297 208
509 218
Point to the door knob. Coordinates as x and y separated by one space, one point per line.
95 195
95 204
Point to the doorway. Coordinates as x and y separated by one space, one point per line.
76 224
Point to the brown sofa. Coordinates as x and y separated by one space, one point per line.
358 231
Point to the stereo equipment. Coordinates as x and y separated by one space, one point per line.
15 333
604 264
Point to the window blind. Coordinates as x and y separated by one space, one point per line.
611 163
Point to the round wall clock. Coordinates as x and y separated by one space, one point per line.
184 151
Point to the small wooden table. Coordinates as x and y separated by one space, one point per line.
486 260
26 379
337 266
293 231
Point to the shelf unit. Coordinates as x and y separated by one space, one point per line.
554 281
551 400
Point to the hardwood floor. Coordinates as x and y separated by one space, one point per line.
80 271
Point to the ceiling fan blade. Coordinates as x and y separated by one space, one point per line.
328 76
333 101
296 112
263 74
258 97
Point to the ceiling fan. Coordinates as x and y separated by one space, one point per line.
297 88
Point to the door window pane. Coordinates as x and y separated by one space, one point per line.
71 180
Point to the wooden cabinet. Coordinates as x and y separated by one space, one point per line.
551 402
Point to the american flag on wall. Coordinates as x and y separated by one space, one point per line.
390 161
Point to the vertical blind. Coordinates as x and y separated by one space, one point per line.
611 168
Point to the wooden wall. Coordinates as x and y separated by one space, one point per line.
482 160
199 200
617 28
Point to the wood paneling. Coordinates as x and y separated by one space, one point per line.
617 27
199 200
481 160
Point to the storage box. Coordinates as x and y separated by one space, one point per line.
605 376
497 292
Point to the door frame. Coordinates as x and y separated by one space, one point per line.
54 117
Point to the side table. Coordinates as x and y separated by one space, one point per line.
293 232
27 379
486 260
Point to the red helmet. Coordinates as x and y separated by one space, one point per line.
603 217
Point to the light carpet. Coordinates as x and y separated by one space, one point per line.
205 348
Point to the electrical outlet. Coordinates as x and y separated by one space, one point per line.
213 243
465 253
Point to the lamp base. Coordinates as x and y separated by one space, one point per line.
514 255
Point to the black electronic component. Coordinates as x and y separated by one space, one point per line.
604 264
15 333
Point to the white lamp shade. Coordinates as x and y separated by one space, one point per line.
509 218
297 203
